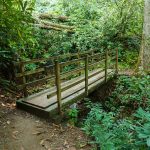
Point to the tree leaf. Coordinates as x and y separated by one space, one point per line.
148 142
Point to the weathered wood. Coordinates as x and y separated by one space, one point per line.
75 61
51 16
30 72
42 101
76 88
73 82
53 57
106 64
44 26
58 85
56 25
86 75
32 83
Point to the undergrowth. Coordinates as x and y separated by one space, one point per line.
123 121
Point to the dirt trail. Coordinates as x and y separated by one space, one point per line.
22 131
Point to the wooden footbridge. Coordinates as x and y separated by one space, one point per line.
69 77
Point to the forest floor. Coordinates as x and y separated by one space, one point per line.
22 131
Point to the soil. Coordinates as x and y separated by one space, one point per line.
22 131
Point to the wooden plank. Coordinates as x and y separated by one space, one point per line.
53 57
47 102
69 100
30 72
75 61
73 82
48 78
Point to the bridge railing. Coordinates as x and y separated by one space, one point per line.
57 73
43 72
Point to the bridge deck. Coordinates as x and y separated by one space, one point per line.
40 101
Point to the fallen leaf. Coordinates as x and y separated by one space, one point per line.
15 132
8 104
42 142
61 129
14 137
2 96
38 133
3 104
13 104
66 144
55 125
46 145
8 122
83 145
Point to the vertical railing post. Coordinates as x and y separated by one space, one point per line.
58 84
24 80
86 75
106 64
116 67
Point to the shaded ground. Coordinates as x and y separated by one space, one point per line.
22 131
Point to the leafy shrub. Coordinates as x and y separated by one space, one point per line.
72 115
15 33
108 133
112 134
130 132
130 91
142 127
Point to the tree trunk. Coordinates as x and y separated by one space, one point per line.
146 37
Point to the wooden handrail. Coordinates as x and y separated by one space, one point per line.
18 75
52 58
75 61
89 63
75 82
48 78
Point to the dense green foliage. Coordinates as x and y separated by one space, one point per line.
104 25
15 33
98 24
131 92
121 125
